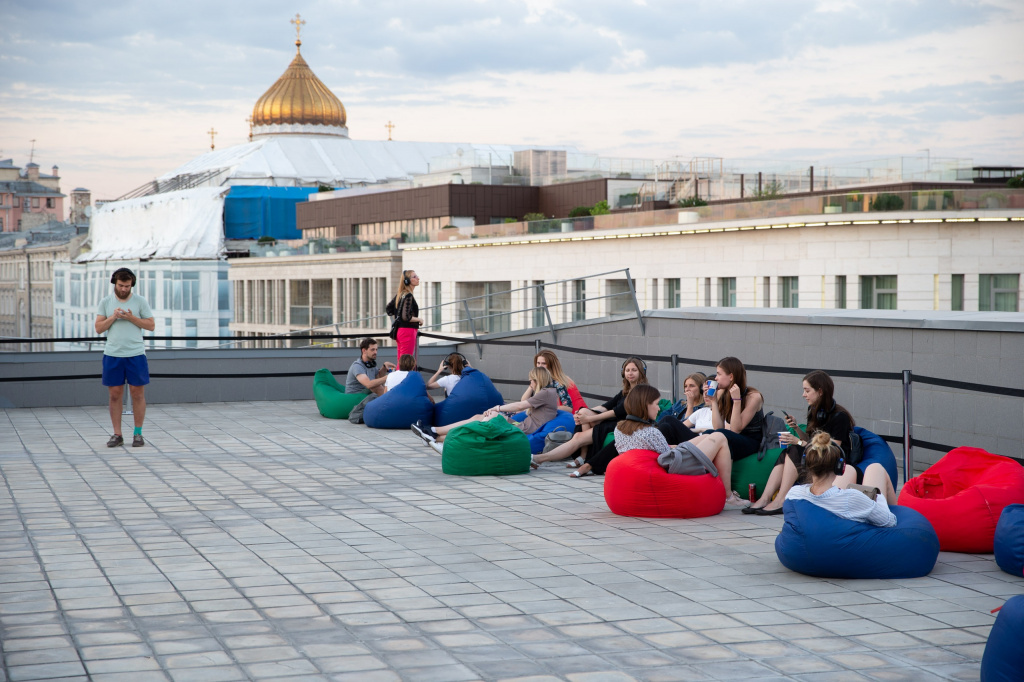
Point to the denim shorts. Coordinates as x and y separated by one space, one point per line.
134 370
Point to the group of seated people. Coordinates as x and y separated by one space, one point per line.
723 417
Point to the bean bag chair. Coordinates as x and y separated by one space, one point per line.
636 485
486 448
751 470
963 495
1003 659
330 396
1009 540
877 451
402 406
563 419
816 542
472 395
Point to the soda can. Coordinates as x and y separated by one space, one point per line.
752 493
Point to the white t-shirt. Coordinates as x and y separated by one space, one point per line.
701 419
848 504
394 379
448 383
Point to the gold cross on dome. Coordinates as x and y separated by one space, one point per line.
211 132
390 126
299 23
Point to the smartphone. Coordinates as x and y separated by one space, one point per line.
787 414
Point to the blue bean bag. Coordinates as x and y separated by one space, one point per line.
563 419
472 395
402 406
877 451
1009 541
1003 659
814 541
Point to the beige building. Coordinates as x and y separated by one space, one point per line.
330 293
27 282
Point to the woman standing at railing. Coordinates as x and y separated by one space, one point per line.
405 308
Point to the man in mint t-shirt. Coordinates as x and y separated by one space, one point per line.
123 316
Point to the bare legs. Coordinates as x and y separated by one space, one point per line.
441 431
876 476
579 440
716 447
116 405
138 394
787 477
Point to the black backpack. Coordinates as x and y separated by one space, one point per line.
392 310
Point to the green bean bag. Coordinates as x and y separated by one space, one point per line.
487 448
748 470
330 396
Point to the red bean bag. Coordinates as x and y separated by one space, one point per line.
636 485
963 494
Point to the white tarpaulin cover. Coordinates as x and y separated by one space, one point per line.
183 224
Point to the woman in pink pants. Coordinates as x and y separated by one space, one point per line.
408 313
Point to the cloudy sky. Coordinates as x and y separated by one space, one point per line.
118 92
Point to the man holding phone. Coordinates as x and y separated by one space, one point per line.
122 316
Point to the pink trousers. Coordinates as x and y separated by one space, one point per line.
406 342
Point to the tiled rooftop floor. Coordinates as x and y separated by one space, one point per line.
260 541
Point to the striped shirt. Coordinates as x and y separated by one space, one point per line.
848 504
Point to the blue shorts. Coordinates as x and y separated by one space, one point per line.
117 370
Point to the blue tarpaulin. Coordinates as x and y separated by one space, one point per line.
251 212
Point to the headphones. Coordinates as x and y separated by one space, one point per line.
821 415
369 364
113 277
465 362
631 418
840 467
405 278
633 359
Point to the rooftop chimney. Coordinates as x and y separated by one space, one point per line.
56 171
32 172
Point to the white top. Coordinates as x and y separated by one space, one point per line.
448 383
847 504
701 419
394 379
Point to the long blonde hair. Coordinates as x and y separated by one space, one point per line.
554 367
403 288
543 379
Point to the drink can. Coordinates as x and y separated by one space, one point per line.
752 493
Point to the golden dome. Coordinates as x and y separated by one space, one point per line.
298 99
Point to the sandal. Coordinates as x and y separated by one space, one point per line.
577 474
576 463
533 464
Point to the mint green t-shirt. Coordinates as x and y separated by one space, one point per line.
124 339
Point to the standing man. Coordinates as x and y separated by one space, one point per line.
123 316
364 375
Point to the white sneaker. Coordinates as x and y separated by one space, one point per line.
437 447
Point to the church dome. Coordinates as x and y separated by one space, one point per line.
298 103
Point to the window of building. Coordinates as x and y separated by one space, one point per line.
191 331
707 292
841 291
579 299
323 304
999 293
957 293
878 292
239 299
58 287
168 331
222 326
789 292
673 293
49 202
76 289
435 300
299 303
490 305
223 291
727 292
35 202
620 301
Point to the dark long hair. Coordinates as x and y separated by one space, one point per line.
826 403
636 404
642 379
733 366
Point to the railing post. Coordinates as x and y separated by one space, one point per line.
908 448
472 328
536 347
636 306
675 378
547 313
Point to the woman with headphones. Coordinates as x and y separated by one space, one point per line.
405 308
595 424
454 363
823 414
824 462
636 432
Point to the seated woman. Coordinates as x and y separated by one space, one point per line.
454 363
823 414
540 408
822 462
695 419
636 432
406 364
737 415
595 424
560 381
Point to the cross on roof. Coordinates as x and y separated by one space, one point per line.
390 126
299 23
211 132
